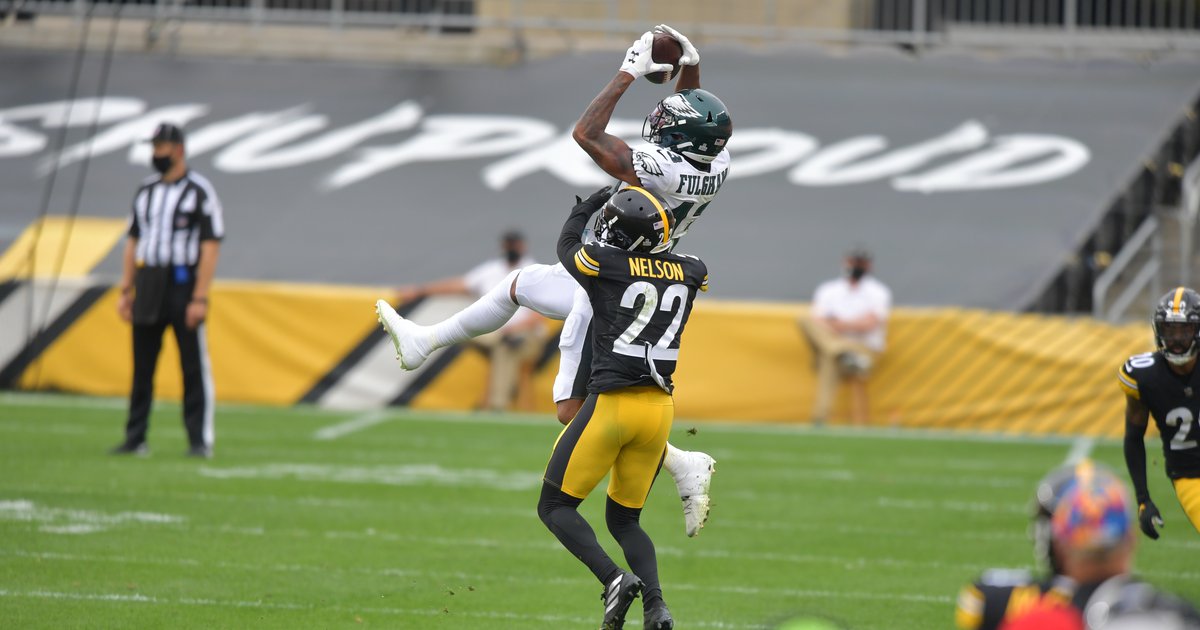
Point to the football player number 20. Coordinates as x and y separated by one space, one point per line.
1181 417
673 299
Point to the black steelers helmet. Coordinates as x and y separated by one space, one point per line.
1177 325
693 123
636 220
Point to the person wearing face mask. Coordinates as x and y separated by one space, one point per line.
174 237
513 348
847 329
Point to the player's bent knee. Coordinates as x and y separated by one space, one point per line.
552 499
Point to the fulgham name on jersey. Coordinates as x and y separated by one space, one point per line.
700 184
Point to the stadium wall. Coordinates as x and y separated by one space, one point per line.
283 344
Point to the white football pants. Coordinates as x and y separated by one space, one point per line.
551 291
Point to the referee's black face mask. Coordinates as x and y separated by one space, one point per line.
162 163
163 157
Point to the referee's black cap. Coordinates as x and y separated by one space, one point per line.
166 132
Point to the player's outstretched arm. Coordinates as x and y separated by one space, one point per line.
570 241
608 151
1137 416
689 61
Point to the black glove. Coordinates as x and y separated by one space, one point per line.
1149 518
598 198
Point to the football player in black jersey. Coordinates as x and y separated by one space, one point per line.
1094 543
1166 385
1001 594
641 297
1083 513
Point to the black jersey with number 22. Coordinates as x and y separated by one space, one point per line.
640 306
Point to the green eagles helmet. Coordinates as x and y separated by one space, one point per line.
692 123
636 220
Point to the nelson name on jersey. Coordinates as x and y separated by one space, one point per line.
655 268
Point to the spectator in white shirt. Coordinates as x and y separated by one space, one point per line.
515 347
847 329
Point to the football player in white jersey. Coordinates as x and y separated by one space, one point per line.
686 167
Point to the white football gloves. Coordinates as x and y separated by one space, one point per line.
690 56
639 60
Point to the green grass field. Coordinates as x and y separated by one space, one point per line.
428 521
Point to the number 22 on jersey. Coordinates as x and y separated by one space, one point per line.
673 299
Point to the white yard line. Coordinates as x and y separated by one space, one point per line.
355 424
404 612
26 399
478 578
1080 450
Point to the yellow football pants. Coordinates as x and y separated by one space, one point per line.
623 431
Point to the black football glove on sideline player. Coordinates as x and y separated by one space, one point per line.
1149 518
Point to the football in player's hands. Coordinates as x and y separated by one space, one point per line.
665 50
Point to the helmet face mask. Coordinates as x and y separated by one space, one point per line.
1176 325
693 123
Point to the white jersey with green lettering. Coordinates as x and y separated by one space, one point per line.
686 189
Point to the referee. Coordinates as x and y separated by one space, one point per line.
174 239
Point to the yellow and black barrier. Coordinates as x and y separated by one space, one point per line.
281 344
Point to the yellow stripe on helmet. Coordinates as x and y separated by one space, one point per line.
1178 299
662 212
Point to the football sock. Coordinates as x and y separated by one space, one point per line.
487 314
557 510
623 524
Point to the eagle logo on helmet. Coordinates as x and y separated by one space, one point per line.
693 123
677 106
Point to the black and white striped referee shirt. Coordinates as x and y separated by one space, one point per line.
170 219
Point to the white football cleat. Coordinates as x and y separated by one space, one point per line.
695 514
693 473
404 335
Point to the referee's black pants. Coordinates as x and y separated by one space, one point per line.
198 393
